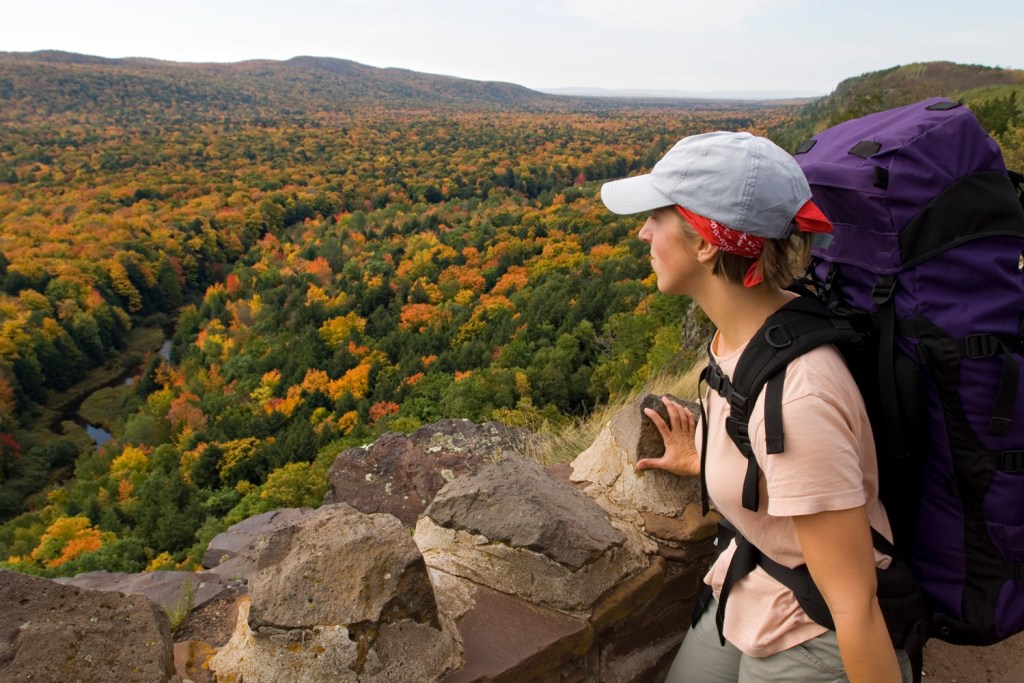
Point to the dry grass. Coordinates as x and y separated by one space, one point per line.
564 442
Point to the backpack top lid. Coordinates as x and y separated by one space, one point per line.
874 175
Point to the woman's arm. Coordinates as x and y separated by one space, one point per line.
681 455
839 554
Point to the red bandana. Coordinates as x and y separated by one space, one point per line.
808 219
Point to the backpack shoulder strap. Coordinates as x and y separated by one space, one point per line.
801 325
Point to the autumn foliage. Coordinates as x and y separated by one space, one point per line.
330 274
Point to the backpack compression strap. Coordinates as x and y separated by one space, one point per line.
902 604
801 325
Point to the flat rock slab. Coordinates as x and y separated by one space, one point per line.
231 553
506 638
400 474
53 632
165 588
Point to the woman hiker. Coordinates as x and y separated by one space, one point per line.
729 219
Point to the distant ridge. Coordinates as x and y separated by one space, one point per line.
635 93
80 88
976 86
53 83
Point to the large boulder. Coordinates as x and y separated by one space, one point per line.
665 506
516 528
400 474
607 466
343 596
52 632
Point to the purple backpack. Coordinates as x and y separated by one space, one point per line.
927 246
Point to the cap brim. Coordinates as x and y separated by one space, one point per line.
633 195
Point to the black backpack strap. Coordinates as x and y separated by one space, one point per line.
704 500
736 426
983 346
888 394
801 325
902 604
1017 179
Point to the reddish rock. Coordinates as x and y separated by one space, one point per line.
690 526
400 474
629 596
507 639
649 443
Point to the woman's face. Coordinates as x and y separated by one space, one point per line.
673 250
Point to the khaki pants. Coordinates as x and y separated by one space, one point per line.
702 659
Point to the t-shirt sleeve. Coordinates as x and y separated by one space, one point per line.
820 469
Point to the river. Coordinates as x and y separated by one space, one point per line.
98 434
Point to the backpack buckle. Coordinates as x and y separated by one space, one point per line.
980 346
715 379
785 340
740 437
1010 461
882 291
739 403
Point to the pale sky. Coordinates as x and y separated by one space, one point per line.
804 46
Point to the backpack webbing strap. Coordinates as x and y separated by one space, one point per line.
900 599
775 438
976 346
705 506
984 345
800 326
736 426
1011 462
882 295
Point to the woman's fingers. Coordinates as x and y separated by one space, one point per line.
677 435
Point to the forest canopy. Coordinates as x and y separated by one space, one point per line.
326 273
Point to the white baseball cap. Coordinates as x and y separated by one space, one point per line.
739 180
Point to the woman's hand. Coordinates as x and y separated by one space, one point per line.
681 455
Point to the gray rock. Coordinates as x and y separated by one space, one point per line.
339 566
400 474
342 596
231 553
53 632
522 505
165 588
607 467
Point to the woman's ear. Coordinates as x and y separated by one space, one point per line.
706 253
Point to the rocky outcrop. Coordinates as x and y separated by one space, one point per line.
400 474
51 632
343 596
581 572
517 529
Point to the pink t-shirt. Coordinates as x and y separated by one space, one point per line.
829 464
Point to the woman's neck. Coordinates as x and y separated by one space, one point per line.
739 312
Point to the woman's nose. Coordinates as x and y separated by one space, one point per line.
645 231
